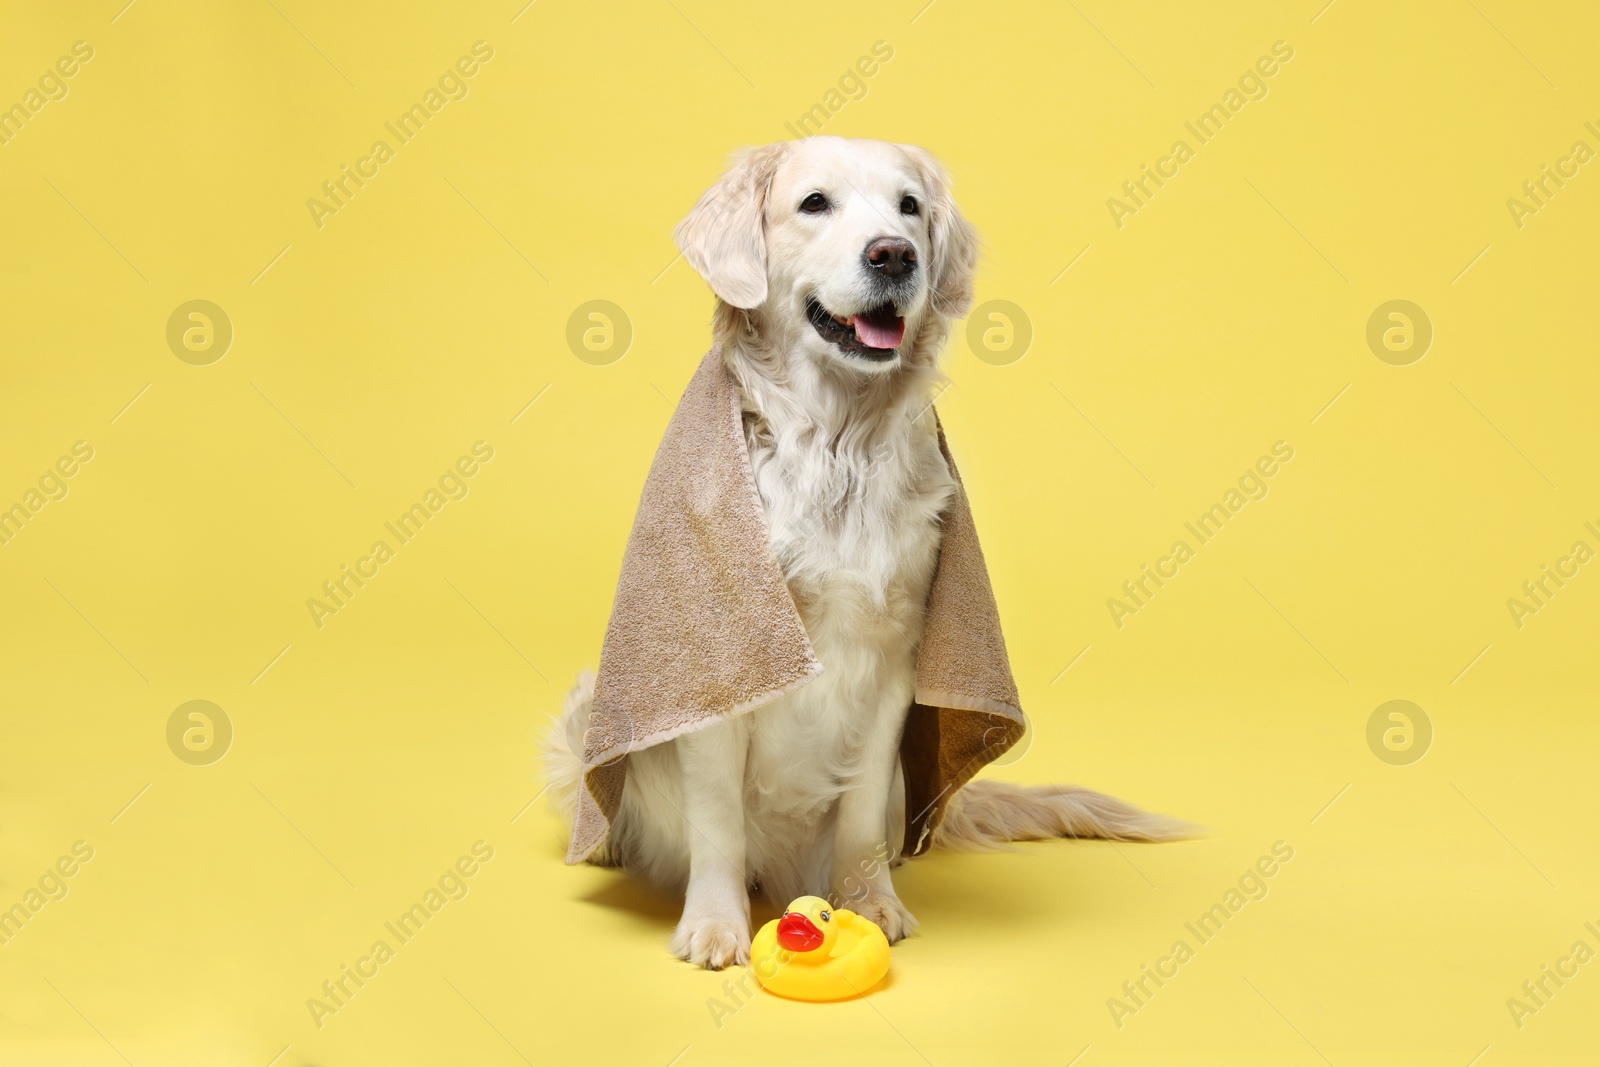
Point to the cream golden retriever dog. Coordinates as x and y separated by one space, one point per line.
839 266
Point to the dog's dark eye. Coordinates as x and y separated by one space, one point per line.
909 205
814 204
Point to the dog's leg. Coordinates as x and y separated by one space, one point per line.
715 929
861 847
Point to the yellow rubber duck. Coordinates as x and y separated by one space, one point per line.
814 952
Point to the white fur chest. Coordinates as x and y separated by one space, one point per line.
856 531
854 528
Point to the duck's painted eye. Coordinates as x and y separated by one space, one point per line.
815 204
823 915
909 205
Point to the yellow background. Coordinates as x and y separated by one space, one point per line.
426 315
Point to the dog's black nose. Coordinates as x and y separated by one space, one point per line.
893 257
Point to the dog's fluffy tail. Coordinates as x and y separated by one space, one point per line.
985 814
561 747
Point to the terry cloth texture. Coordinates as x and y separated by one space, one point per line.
703 626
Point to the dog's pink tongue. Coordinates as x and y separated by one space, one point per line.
887 332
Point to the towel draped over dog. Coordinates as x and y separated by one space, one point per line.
703 627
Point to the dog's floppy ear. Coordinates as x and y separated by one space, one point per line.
955 242
724 237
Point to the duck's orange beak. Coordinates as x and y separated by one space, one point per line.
798 933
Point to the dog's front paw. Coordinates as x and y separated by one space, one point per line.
888 913
712 943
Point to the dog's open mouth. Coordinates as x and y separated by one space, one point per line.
874 334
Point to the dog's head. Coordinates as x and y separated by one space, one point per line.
856 243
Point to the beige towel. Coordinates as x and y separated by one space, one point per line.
704 628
